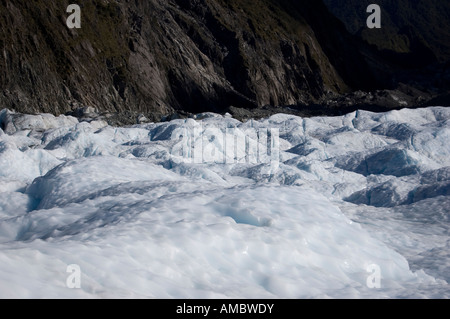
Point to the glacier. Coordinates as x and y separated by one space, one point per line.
142 221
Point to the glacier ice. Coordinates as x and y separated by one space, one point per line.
348 192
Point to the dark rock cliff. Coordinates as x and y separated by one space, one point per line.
159 56
416 29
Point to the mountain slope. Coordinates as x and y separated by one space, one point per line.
157 56
419 28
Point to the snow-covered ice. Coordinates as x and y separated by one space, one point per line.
142 217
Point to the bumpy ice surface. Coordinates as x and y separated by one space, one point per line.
143 216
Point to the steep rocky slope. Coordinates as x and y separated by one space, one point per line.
410 53
162 57
159 56
415 28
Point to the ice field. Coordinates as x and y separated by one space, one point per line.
355 206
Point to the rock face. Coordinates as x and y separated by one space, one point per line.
156 56
410 53
416 30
